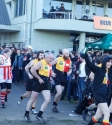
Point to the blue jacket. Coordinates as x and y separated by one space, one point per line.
20 63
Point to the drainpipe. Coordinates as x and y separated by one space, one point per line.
24 38
31 23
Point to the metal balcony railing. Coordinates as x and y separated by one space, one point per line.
67 15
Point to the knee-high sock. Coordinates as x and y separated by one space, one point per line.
105 122
3 94
7 92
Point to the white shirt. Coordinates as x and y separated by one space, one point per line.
5 70
82 70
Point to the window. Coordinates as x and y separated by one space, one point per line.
20 7
87 4
48 3
9 3
110 9
98 8
79 9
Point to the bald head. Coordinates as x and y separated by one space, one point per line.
65 54
65 51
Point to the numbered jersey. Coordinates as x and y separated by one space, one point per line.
5 70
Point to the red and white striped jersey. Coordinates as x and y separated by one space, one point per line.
5 70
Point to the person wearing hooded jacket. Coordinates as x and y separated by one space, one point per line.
102 88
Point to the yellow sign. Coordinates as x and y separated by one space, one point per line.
102 23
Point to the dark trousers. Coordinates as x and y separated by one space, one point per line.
81 87
71 90
13 74
17 74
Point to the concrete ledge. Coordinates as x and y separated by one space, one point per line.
9 29
68 25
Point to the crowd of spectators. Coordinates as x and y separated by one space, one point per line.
77 82
20 57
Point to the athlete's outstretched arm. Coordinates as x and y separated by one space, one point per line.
34 73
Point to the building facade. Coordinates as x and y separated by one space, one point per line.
30 22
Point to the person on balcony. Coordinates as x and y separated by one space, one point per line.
62 9
51 14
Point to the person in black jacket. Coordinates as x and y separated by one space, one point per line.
12 61
62 9
26 59
102 88
13 55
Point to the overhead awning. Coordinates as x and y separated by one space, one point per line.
9 29
104 43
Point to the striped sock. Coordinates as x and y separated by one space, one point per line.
94 120
3 94
105 122
7 92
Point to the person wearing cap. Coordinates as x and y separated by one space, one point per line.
52 51
102 85
30 50
29 47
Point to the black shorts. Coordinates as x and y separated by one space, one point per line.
100 99
59 83
6 85
37 87
29 85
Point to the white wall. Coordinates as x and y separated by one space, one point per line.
38 8
15 21
19 36
44 40
4 38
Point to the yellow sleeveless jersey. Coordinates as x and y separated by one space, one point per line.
35 61
46 69
63 65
